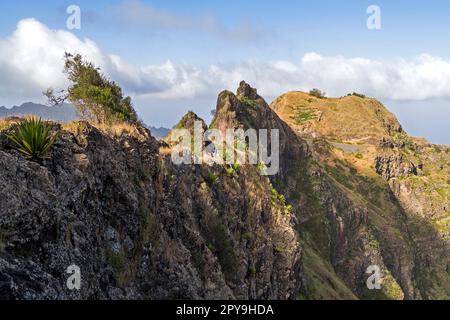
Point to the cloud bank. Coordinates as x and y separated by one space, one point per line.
31 59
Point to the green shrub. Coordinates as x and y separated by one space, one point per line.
288 209
33 138
249 102
95 96
233 169
211 178
359 95
317 93
278 200
230 171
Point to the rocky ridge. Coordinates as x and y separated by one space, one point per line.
140 227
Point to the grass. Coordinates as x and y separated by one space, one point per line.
115 129
322 280
341 118
6 123
303 116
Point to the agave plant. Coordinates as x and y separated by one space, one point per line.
33 138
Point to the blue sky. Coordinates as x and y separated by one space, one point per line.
185 51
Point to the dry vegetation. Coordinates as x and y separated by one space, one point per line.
165 151
114 130
348 118
7 122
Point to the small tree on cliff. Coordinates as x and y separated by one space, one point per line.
317 93
95 97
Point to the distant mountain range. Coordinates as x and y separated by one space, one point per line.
65 112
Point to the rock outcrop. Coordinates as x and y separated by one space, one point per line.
140 227
137 226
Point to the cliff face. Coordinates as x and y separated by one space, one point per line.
137 226
140 227
382 196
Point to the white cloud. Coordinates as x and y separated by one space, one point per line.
31 59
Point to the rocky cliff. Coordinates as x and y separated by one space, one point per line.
139 227
382 197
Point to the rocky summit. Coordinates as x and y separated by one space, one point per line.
353 191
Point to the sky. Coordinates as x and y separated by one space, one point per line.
174 56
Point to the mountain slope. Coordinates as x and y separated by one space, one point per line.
401 182
353 191
138 226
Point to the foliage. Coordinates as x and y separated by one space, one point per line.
33 138
317 93
359 95
249 102
303 116
96 98
261 168
211 178
232 170
279 200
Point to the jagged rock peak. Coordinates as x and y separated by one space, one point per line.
188 121
245 90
